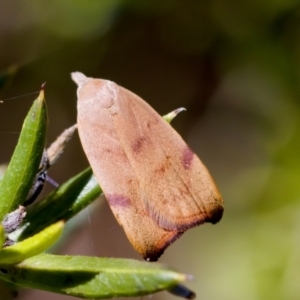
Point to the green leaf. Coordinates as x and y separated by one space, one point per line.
92 277
69 199
24 164
31 246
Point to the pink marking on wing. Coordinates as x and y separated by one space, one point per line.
187 158
118 200
138 144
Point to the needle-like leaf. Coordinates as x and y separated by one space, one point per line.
31 246
24 164
92 277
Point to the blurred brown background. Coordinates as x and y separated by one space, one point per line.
235 66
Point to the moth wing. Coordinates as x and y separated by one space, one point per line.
113 170
176 188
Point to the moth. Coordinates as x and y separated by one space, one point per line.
155 184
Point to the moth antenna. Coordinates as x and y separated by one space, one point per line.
16 97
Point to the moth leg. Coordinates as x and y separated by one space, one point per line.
39 180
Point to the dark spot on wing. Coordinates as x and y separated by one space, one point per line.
187 158
138 144
118 200
161 169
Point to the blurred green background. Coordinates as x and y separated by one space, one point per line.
235 66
